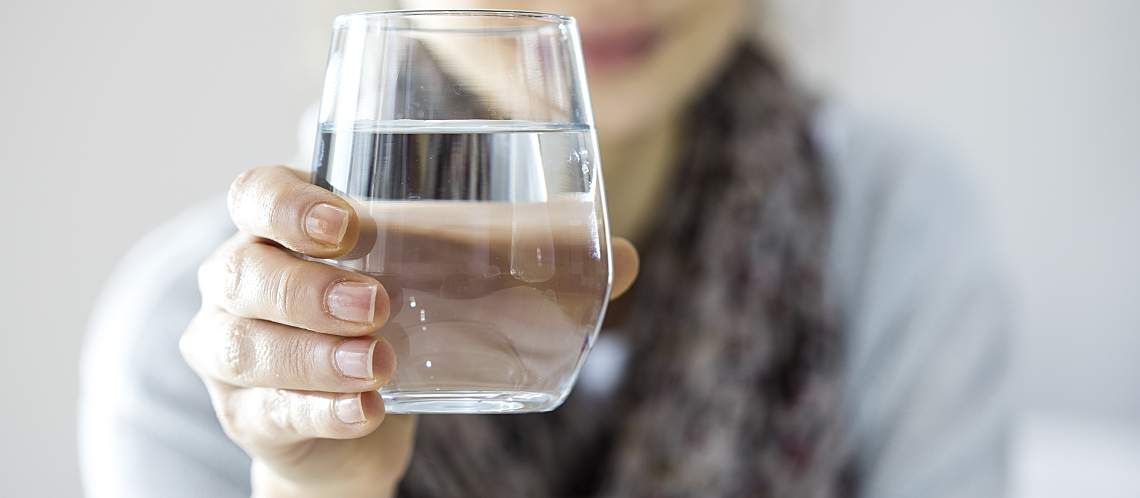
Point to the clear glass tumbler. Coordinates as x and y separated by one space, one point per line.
465 139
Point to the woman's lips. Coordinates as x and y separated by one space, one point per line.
608 49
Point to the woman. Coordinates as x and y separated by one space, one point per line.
816 315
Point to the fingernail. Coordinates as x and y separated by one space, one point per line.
326 223
354 358
349 409
352 301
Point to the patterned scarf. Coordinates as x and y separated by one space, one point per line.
732 388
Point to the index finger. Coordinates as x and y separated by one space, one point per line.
276 203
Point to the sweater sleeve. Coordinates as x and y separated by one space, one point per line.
146 426
926 315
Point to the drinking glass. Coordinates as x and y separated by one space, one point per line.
465 140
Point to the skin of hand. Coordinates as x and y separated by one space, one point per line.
285 345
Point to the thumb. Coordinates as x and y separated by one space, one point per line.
626 265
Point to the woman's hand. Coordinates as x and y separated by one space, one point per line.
284 345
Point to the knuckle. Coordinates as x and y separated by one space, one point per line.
226 408
240 185
219 276
288 291
255 197
237 351
233 266
298 352
280 410
186 342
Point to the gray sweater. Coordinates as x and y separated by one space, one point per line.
921 297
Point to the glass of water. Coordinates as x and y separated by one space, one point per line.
465 139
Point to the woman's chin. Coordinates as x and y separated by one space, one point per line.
617 124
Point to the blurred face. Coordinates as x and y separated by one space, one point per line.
645 58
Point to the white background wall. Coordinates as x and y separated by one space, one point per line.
115 115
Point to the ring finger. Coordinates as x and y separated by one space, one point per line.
256 353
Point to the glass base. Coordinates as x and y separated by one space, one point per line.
471 401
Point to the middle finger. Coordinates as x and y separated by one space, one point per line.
252 279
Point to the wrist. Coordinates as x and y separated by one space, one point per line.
268 483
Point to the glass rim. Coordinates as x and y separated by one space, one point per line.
544 19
